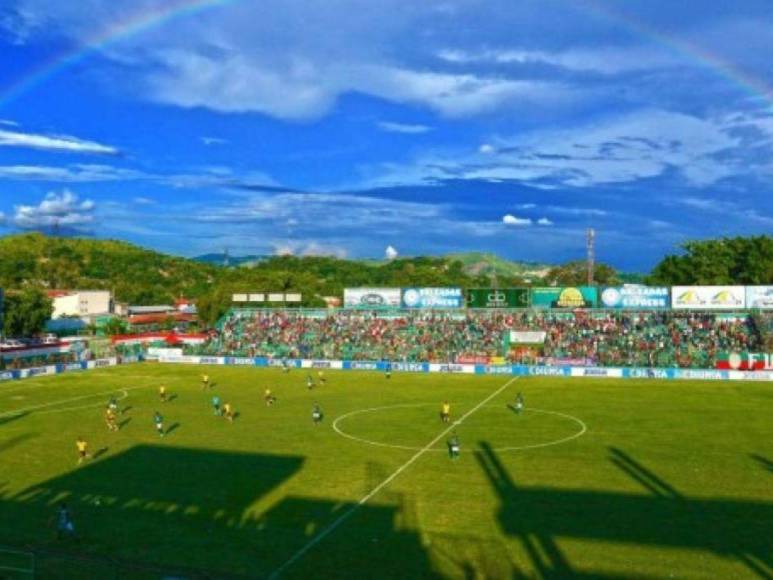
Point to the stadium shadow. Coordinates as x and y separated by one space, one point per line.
729 528
10 418
14 441
197 508
765 463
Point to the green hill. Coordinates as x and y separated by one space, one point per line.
485 264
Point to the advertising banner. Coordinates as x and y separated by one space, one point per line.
569 297
759 297
708 297
527 336
371 298
745 361
635 297
433 298
497 298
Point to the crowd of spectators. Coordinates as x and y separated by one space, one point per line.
655 338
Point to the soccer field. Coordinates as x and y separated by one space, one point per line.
596 478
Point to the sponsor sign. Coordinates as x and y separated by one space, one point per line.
7 376
256 298
708 297
554 361
473 360
759 297
410 367
433 298
569 297
276 297
239 298
292 297
363 366
498 370
451 368
371 298
745 361
527 336
635 297
158 351
648 373
497 298
549 371
700 374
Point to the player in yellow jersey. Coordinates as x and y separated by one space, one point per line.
110 419
204 382
445 412
228 411
268 397
162 393
82 449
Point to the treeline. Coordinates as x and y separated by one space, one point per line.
140 276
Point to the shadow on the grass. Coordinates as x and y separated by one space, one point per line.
197 508
740 529
764 462
7 444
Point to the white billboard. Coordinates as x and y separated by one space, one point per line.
276 297
257 298
292 297
759 297
371 298
240 298
708 297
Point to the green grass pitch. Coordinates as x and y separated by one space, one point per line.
595 479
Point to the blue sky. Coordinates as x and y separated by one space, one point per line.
346 127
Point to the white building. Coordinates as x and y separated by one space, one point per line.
81 303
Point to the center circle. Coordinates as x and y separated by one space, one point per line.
414 420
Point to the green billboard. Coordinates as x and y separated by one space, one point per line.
569 297
497 298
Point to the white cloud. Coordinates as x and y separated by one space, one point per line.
307 248
511 220
63 209
408 129
78 173
213 141
390 253
8 123
144 201
606 60
53 143
544 222
486 149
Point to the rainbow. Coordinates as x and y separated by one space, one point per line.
694 53
175 9
136 24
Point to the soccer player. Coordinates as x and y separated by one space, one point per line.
519 403
388 371
82 447
216 405
268 397
64 523
204 382
316 414
285 366
110 419
113 405
454 447
309 381
162 393
321 377
158 419
445 412
228 412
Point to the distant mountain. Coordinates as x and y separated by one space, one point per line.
485 264
220 259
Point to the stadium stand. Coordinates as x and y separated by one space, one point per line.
653 339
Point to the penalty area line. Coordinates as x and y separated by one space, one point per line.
352 510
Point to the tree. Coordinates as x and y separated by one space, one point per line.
576 274
726 261
115 326
26 312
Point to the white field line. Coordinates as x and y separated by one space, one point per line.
63 401
352 510
337 429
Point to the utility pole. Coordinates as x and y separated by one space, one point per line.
590 242
226 259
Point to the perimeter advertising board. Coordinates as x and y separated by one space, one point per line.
757 297
433 298
569 297
371 298
497 298
635 297
708 297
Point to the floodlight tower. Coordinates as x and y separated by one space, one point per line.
590 243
